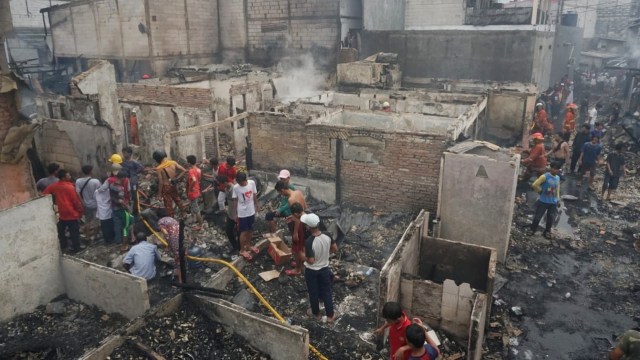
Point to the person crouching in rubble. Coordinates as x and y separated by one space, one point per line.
536 163
170 228
283 210
169 172
141 259
317 274
548 186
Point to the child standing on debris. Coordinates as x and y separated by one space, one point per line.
231 225
284 210
422 347
245 205
548 186
614 171
397 322
193 189
229 170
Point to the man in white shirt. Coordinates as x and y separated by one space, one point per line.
104 213
86 187
317 274
245 205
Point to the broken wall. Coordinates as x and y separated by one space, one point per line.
164 94
100 80
72 144
507 117
500 55
31 277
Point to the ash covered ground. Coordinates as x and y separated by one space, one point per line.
64 329
187 334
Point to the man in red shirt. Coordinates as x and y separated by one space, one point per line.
536 163
229 170
193 189
69 209
397 322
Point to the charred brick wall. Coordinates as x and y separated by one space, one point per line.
8 113
187 97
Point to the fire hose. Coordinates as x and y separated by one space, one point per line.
246 281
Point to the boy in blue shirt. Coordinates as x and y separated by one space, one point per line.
548 186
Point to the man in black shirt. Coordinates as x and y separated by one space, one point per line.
581 137
614 171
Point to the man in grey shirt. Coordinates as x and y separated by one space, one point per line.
86 188
317 274
141 258
52 170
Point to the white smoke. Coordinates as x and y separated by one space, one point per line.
299 79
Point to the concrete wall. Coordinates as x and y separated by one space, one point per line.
31 276
505 119
383 14
475 209
72 144
433 13
613 18
100 80
8 113
111 290
18 188
467 53
26 14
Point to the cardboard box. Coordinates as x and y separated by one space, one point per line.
279 251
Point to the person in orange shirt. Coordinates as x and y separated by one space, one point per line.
536 163
69 209
569 123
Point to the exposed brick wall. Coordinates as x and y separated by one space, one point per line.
278 142
187 97
276 25
8 114
405 178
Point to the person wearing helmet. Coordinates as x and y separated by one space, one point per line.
386 107
115 159
541 122
569 123
536 162
317 274
169 172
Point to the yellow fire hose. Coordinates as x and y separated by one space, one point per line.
246 281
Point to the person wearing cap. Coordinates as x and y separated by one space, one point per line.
548 186
536 162
386 107
317 275
541 122
569 123
283 210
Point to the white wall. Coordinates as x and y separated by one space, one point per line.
383 14
433 13
27 13
587 11
31 273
